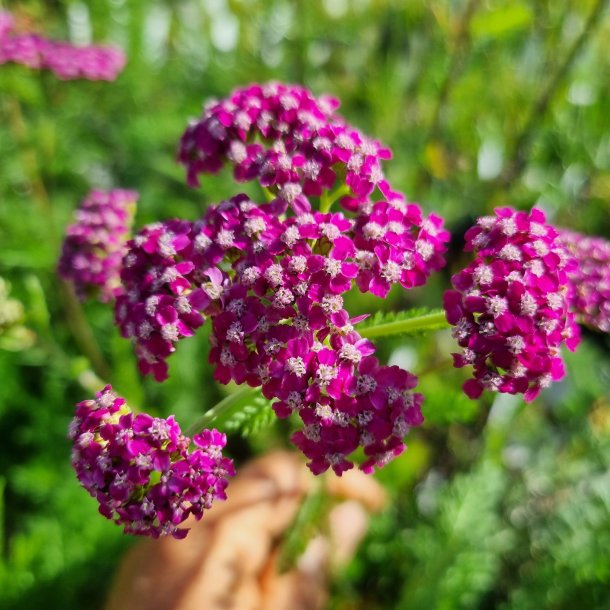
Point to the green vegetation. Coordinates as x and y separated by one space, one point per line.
494 505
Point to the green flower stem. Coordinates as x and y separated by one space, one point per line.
82 331
430 321
222 410
269 195
327 200
76 319
29 157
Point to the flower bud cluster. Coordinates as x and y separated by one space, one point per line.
510 305
139 467
94 245
289 141
66 61
590 278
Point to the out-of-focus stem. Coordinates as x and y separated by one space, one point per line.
457 54
525 137
76 319
462 39
433 368
83 335
19 129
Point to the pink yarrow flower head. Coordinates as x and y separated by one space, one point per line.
510 306
166 292
144 473
95 243
278 317
66 61
282 325
289 141
347 401
590 278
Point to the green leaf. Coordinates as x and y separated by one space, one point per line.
251 417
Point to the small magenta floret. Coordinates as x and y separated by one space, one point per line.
139 467
510 306
95 243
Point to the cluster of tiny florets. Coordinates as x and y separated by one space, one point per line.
95 243
510 306
272 278
140 470
283 326
66 61
166 289
289 141
272 287
590 278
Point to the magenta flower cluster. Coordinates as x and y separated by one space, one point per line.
94 244
290 142
167 287
139 467
66 61
510 305
278 314
590 278
272 278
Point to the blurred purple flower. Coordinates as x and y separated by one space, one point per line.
590 278
95 243
66 61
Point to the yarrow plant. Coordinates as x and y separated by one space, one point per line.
66 61
270 279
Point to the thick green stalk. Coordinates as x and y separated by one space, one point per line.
434 321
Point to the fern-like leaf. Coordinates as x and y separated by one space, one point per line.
412 322
252 417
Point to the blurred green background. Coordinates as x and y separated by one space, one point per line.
484 103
